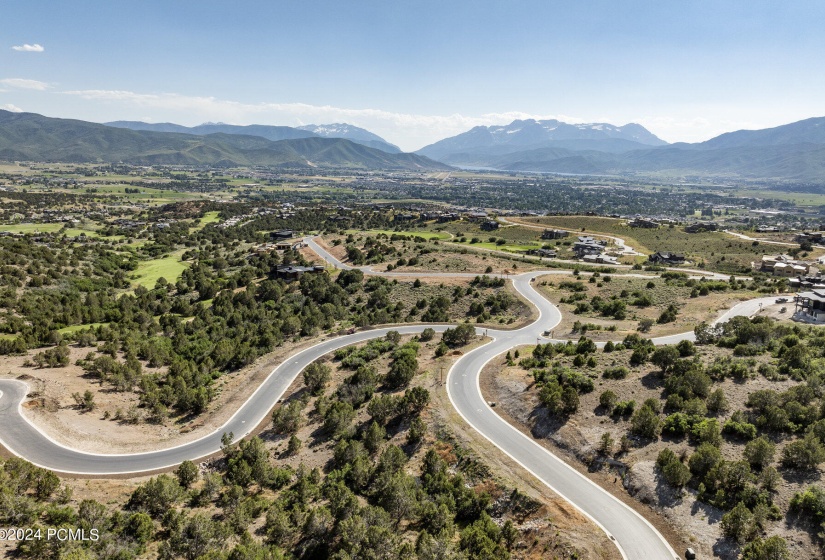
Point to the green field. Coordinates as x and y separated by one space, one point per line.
32 228
212 217
424 234
509 247
148 272
74 328
719 251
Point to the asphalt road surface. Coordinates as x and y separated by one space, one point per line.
635 538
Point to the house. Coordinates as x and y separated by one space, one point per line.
810 306
448 217
665 257
291 272
554 234
601 258
643 223
476 216
588 247
543 253
489 225
812 237
701 226
283 234
288 244
784 265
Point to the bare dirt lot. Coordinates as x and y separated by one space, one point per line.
661 294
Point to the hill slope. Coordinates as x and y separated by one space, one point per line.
354 133
274 133
29 136
533 134
793 152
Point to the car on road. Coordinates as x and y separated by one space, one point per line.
781 300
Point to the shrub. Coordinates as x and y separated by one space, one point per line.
805 454
677 424
618 372
738 523
646 423
426 335
759 452
624 408
772 548
459 336
607 400
741 430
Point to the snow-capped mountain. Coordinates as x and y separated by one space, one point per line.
532 134
350 132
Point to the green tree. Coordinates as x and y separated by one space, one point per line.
316 377
772 548
459 336
293 446
739 524
805 454
338 419
374 436
607 400
417 431
187 473
759 452
646 423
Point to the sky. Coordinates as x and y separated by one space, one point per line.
415 72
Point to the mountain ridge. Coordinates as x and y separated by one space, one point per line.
270 132
29 136
795 151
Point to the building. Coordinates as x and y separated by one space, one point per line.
643 223
292 272
601 258
543 253
810 306
554 234
286 245
586 245
701 226
489 225
665 257
784 265
810 237
477 216
283 234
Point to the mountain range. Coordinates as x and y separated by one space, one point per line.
274 133
33 137
794 151
791 152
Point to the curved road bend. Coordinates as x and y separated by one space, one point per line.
22 438
634 536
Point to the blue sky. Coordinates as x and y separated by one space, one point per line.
415 72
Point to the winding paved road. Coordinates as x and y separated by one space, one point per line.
634 536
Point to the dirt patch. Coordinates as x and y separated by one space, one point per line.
691 310
631 476
52 409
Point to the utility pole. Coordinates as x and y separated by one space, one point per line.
442 375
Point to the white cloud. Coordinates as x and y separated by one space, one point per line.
22 83
410 131
12 108
29 48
